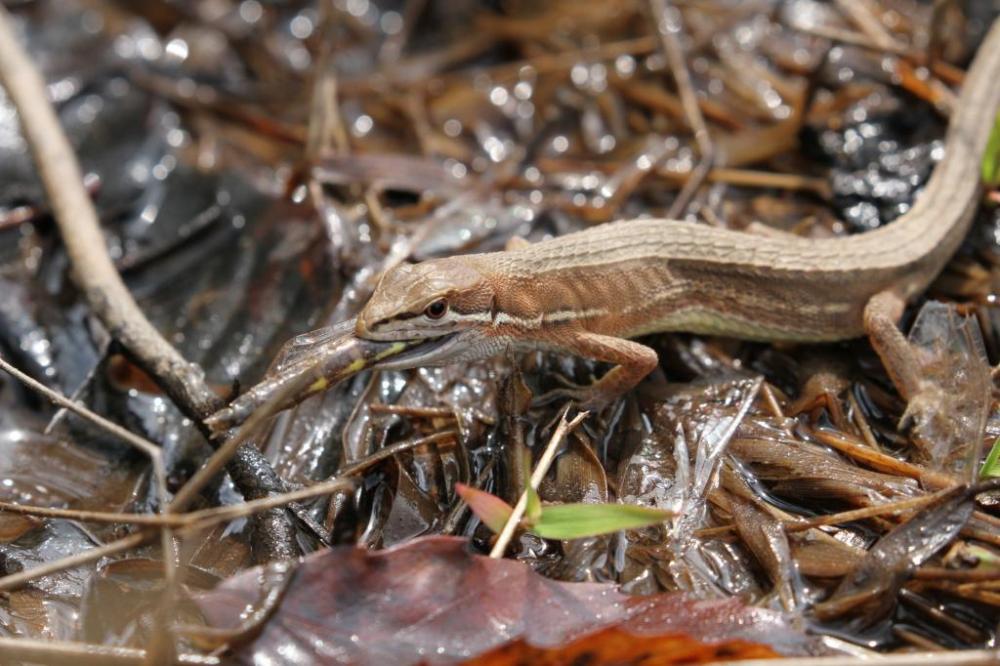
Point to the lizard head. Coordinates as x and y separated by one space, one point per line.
434 299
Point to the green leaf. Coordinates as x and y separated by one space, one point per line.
490 509
574 521
533 509
991 158
991 466
987 558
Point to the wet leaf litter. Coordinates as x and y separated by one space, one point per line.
256 171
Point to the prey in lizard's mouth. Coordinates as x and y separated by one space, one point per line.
440 350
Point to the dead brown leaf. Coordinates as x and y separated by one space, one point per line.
432 601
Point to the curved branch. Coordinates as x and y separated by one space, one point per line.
106 294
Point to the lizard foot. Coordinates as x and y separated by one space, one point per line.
928 416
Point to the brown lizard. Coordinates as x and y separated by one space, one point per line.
587 293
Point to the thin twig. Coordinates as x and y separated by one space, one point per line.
868 23
691 186
236 510
357 466
196 521
55 566
406 410
392 48
668 25
87 380
200 520
952 658
56 398
189 522
935 46
852 38
755 178
939 573
326 126
74 213
140 443
801 524
507 533
767 392
26 650
206 517
886 509
862 422
98 279
148 519
545 63
861 452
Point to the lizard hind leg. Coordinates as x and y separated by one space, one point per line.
881 321
926 402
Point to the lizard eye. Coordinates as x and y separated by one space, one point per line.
436 309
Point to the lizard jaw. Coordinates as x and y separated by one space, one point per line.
441 350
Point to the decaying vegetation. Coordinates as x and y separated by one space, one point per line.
250 169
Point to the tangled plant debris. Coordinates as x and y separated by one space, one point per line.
256 167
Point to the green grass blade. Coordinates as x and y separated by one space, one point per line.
991 466
990 166
533 509
574 521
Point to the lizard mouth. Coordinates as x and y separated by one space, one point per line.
441 350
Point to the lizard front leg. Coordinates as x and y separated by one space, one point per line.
632 361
